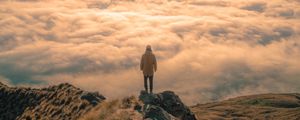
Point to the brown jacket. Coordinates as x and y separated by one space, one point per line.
148 63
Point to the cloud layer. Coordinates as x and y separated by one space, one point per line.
207 50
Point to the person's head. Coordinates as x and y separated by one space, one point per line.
148 48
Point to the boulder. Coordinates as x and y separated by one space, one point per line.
153 112
92 97
165 104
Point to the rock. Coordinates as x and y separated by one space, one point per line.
163 105
147 98
153 112
92 98
173 105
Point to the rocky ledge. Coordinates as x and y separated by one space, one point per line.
163 106
62 101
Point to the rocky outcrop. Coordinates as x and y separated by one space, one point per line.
164 106
66 102
59 102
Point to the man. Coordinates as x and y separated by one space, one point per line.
148 66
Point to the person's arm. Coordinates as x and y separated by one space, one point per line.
142 62
155 63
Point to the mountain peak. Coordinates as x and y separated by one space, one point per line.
65 101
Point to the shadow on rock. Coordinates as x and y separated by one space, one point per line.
163 106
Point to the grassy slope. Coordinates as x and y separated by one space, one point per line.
260 107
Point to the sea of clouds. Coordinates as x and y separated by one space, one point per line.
207 50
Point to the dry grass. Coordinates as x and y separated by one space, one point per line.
114 110
259 107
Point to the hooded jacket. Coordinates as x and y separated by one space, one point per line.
148 63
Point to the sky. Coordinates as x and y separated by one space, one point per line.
207 50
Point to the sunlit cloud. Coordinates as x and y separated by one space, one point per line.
207 50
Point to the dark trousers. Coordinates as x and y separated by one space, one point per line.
150 82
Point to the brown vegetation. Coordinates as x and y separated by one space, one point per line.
254 107
115 110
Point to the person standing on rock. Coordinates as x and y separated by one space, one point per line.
148 66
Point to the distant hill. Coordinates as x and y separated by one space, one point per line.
252 107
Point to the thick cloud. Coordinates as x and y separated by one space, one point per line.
258 7
207 50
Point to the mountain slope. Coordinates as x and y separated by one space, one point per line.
259 107
67 102
63 101
165 105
